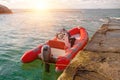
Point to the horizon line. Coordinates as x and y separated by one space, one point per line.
67 8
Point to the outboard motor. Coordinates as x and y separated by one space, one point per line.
46 56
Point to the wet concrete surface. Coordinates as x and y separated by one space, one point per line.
107 39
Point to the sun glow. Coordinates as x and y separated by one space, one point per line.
41 5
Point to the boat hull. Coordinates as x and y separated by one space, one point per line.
61 55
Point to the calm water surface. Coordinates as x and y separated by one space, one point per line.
24 30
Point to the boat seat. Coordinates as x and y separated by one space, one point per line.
57 52
56 44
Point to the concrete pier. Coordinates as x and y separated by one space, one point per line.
100 60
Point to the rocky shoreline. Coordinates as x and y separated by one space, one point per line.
4 10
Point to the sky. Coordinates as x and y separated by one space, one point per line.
61 4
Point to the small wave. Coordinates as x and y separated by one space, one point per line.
114 17
104 20
109 19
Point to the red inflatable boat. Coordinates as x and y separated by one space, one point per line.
62 55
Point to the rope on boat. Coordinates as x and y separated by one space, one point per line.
54 63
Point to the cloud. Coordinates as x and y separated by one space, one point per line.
64 3
95 3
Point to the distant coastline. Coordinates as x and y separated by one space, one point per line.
64 10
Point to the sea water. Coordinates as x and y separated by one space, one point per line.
25 29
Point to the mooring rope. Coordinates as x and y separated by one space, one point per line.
53 63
